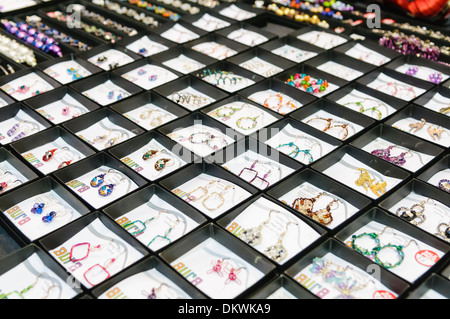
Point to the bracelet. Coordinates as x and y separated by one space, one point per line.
27 34
307 83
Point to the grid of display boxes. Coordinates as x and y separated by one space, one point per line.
230 153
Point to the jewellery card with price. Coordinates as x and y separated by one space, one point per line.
393 87
62 110
411 160
146 47
360 52
365 104
149 116
261 67
211 195
236 13
110 59
106 93
276 101
242 117
27 86
396 251
104 134
149 76
210 23
322 39
424 129
426 213
228 81
156 223
215 50
216 270
439 103
41 214
150 284
339 70
201 139
331 277
299 145
333 125
191 98
258 170
32 279
247 37
94 254
184 64
18 127
272 230
153 160
67 71
361 177
313 202
294 54
179 34
102 186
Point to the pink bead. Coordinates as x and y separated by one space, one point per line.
316 90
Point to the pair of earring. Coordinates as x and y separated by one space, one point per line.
232 273
434 132
112 93
253 237
306 205
415 214
377 248
161 163
48 155
38 208
105 189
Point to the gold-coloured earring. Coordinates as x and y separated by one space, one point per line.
417 126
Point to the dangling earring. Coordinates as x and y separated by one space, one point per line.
152 295
414 214
217 267
232 276
253 236
98 180
278 252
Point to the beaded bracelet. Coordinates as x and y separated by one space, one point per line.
29 35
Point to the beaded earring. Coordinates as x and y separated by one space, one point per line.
152 295
232 275
415 214
277 252
217 267
253 236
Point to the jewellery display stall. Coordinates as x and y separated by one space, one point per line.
222 149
